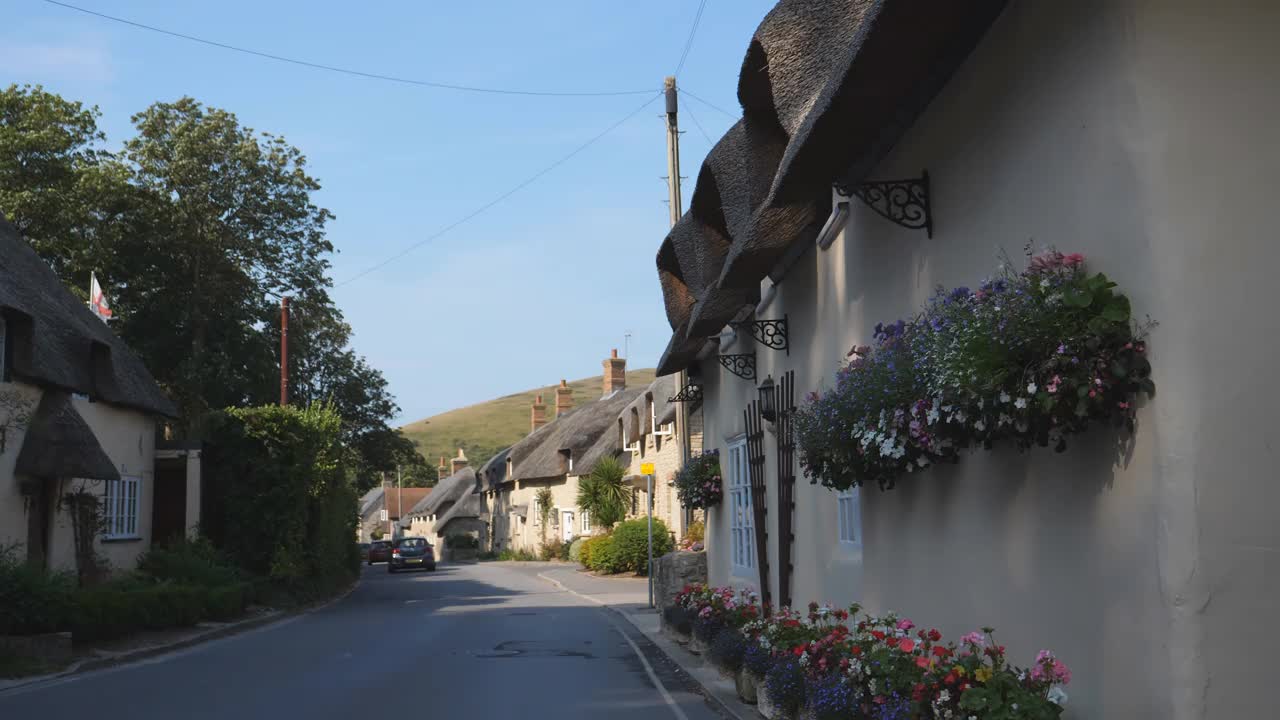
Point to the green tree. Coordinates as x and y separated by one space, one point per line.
195 230
603 493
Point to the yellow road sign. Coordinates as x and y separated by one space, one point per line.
646 468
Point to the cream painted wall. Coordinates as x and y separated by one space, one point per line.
664 453
128 437
527 535
1141 134
13 516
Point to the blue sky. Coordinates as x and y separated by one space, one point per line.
538 288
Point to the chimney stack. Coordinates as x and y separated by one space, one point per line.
442 471
564 398
538 416
615 373
459 462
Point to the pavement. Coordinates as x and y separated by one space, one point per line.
490 640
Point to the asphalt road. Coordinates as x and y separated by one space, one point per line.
481 642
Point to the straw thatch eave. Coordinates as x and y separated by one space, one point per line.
58 444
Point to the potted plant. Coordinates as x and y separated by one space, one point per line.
727 651
756 661
678 624
782 693
698 483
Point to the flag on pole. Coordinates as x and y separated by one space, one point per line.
97 300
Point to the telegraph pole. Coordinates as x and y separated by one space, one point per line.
284 350
673 151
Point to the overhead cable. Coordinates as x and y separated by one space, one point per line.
517 188
349 71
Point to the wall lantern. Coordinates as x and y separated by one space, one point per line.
768 403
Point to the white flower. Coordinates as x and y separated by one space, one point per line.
1031 388
1020 403
1044 285
1057 696
922 461
1004 397
944 696
1005 419
959 416
979 426
933 416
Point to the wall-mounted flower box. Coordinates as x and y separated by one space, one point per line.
1029 357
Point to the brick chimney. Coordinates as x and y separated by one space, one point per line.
538 415
615 373
564 398
442 470
459 462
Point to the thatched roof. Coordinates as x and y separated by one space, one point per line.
681 351
826 88
449 489
636 418
468 506
59 444
59 343
494 472
546 451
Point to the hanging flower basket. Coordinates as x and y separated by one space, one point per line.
699 483
1029 357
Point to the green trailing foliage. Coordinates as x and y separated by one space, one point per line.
280 505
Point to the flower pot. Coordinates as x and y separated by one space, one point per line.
747 683
697 646
765 706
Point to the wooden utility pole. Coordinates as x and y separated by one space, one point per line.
673 152
677 210
284 351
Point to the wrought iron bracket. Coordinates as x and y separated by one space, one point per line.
905 202
769 333
742 365
689 393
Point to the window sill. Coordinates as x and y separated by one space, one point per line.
123 539
847 554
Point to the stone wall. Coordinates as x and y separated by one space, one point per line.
674 571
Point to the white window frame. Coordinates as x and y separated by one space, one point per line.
849 517
121 500
586 521
742 532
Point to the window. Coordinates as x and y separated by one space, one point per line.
849 508
121 514
586 522
741 519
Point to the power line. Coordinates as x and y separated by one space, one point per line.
348 71
688 44
483 208
702 130
708 104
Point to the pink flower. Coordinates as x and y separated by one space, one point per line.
974 638
905 624
1122 405
1073 260
907 645
1093 393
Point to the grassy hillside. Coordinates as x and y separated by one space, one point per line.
487 427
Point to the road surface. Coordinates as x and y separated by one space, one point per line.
474 642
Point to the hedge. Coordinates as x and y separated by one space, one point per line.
631 544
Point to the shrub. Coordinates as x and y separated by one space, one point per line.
785 684
631 544
575 549
601 554
516 555
33 600
697 531
227 602
728 649
564 549
462 542
194 562
550 550
603 493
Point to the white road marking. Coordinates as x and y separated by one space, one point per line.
653 677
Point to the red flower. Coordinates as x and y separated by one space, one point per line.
877 634
950 679
934 635
857 650
798 651
906 645
922 661
893 642
941 651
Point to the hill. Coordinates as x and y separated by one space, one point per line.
485 428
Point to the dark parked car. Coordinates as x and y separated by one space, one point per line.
379 551
411 553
